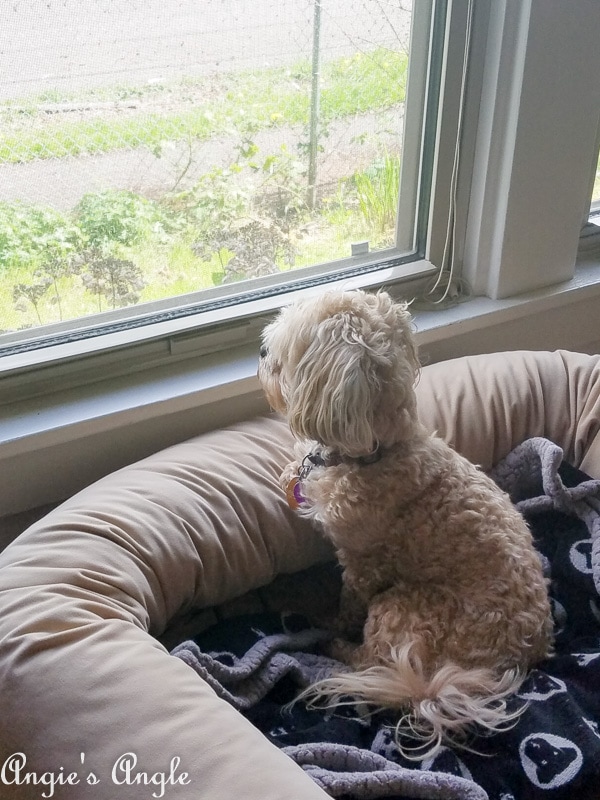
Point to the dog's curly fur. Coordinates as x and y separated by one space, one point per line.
455 603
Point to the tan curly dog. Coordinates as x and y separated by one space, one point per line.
439 569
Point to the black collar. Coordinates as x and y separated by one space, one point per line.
317 459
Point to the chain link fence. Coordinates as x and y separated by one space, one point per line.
148 149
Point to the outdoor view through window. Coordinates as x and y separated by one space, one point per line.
152 148
596 189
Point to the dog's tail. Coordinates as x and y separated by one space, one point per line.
438 708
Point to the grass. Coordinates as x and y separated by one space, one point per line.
65 139
364 82
99 94
377 190
355 85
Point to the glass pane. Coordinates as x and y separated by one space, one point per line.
596 189
151 148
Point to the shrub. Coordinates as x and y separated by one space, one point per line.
119 217
30 234
119 281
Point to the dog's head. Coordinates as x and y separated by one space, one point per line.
342 368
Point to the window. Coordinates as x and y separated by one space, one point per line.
499 139
595 204
161 159
534 145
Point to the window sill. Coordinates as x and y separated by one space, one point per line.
53 445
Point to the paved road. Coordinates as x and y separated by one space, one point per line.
71 44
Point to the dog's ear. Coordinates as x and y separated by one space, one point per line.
399 319
334 389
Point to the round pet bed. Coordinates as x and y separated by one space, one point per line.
91 704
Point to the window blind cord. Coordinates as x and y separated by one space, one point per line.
449 252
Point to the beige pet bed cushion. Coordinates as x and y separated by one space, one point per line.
83 592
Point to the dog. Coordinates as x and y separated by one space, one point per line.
439 569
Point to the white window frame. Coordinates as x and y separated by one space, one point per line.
537 136
517 212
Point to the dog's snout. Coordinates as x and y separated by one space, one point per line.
263 352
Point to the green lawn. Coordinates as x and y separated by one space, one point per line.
253 101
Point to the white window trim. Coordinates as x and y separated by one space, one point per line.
537 135
516 236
